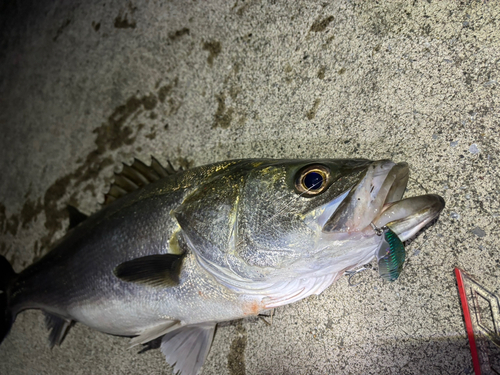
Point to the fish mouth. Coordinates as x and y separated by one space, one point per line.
377 199
406 217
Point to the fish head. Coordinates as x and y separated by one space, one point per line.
282 219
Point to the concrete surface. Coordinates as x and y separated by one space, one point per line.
85 85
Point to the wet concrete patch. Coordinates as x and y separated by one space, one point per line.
236 356
223 116
111 135
321 24
311 114
122 21
178 34
214 48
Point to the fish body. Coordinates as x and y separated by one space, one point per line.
76 279
215 243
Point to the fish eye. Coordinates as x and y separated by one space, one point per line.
312 180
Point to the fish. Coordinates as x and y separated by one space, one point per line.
174 252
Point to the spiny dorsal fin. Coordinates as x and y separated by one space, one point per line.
75 216
160 270
58 328
135 176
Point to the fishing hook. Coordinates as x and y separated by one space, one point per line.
352 273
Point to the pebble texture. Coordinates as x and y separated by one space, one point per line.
86 85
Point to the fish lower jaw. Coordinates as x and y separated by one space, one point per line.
406 217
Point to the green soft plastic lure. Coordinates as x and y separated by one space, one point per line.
390 255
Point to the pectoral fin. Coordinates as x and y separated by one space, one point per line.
187 348
160 270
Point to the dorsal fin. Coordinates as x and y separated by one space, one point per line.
135 176
75 216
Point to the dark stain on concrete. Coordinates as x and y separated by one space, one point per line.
242 120
341 71
312 112
178 34
149 102
61 29
321 72
3 218
151 135
236 356
234 91
114 133
110 136
328 42
174 106
242 9
214 48
30 211
288 73
124 23
56 214
165 90
53 213
8 224
96 26
222 118
426 29
132 7
389 17
12 225
321 24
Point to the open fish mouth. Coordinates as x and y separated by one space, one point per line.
406 217
377 199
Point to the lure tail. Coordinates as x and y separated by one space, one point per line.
7 274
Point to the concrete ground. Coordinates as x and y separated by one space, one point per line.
86 85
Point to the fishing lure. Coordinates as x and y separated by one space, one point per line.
390 254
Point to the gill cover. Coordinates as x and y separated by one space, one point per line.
248 217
